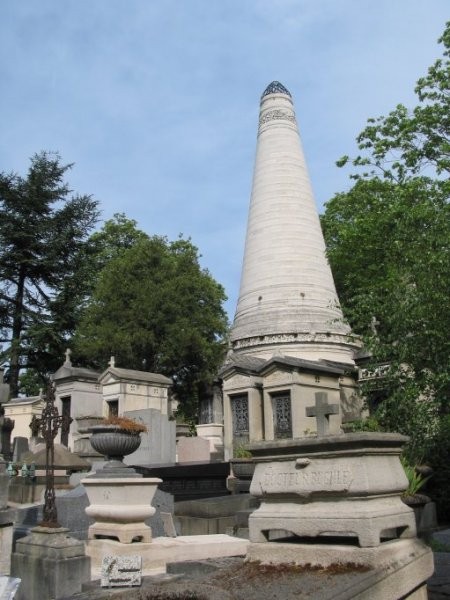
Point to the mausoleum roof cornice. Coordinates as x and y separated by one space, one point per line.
66 372
135 376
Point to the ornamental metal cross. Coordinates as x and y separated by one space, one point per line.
322 411
49 424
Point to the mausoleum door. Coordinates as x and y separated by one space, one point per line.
113 408
282 415
65 426
240 420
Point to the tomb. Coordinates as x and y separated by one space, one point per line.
289 339
336 500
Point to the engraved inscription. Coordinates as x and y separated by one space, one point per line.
305 481
272 115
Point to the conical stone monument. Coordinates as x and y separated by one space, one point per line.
287 299
289 339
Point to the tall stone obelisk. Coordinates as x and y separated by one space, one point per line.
287 301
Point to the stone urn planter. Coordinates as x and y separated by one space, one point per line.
243 468
120 506
84 424
114 441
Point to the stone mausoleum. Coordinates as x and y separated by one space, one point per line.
289 340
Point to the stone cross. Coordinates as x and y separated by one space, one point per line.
68 362
322 411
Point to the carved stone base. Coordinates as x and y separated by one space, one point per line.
120 507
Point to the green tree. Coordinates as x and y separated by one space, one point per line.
43 246
155 308
117 234
388 245
411 142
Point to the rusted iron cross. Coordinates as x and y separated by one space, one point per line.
49 424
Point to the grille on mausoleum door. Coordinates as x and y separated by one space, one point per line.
239 411
282 416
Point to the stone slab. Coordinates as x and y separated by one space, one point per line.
190 481
4 486
121 571
6 539
193 449
396 569
158 443
160 551
20 446
223 506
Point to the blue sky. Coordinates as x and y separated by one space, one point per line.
156 102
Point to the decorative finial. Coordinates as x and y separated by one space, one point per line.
67 362
112 362
275 88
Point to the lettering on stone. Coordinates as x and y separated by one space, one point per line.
306 480
121 571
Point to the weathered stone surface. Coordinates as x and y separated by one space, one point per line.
160 551
121 571
158 443
120 507
361 474
287 297
50 564
193 449
6 536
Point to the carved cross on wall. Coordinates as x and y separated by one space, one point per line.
322 411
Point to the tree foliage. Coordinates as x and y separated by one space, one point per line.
388 245
155 308
43 246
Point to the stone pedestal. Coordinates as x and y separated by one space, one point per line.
213 432
345 486
50 564
120 507
334 502
6 536
6 522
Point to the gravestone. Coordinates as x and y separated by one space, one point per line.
336 500
157 443
20 447
193 449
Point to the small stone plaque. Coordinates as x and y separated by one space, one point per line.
121 571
